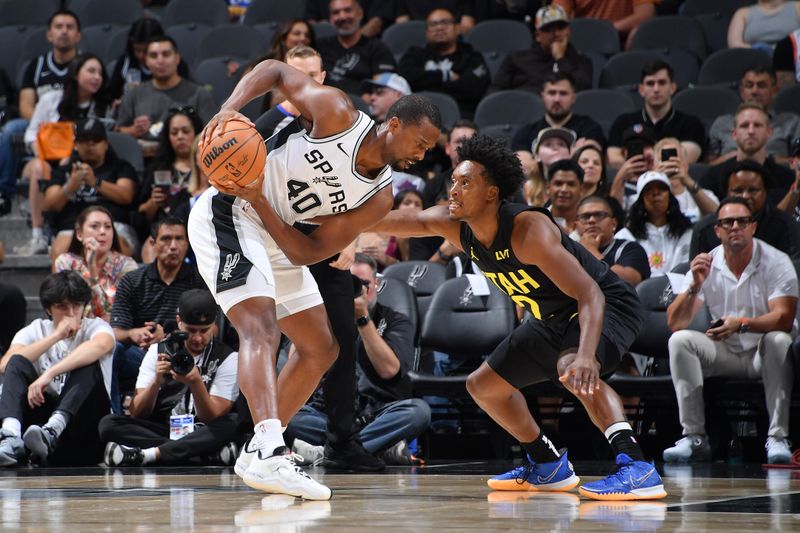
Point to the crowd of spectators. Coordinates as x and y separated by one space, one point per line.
647 193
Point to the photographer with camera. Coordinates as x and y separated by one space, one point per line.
185 391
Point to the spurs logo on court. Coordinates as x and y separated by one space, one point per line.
416 274
466 298
230 263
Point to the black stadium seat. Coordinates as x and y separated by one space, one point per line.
231 40
210 12
447 105
121 12
499 35
706 103
401 37
594 35
725 67
509 107
422 276
666 33
398 296
273 10
26 12
603 105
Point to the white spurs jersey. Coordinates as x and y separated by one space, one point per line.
307 177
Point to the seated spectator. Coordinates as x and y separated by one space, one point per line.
184 200
191 378
446 64
64 33
169 174
147 298
380 14
94 175
626 16
749 180
656 222
763 24
385 349
670 160
789 204
656 86
50 372
94 253
83 97
13 303
130 69
785 62
758 85
558 96
147 104
564 186
751 132
349 56
750 289
463 10
595 231
382 92
551 52
551 145
639 157
595 183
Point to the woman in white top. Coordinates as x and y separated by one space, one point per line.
694 201
84 96
763 24
656 222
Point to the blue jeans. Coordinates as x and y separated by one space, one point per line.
403 419
9 159
127 360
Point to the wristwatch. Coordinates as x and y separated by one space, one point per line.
694 189
744 325
362 321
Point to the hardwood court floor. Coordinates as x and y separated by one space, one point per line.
441 497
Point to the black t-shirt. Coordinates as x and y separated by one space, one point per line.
628 254
44 74
348 67
783 57
113 169
778 179
675 124
583 126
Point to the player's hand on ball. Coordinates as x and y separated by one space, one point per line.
252 192
216 126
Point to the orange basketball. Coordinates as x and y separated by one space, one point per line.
238 155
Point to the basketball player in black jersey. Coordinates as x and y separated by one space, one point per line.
586 318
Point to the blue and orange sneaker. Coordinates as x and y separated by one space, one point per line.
632 480
555 476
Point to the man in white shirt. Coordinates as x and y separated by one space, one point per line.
751 291
50 370
185 391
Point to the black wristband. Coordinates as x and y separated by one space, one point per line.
362 321
694 189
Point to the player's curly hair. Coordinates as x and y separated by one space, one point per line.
502 165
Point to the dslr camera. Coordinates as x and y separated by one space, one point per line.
173 346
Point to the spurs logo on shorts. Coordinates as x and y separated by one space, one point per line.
231 260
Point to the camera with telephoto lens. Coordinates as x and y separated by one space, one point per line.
181 360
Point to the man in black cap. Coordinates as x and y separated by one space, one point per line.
185 391
94 175
637 150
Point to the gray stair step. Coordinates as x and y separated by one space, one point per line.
14 231
27 273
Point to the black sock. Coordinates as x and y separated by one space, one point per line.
541 450
622 439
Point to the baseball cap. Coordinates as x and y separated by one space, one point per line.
649 177
387 79
91 128
549 15
565 134
639 131
197 307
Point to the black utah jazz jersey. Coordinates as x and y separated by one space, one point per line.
527 285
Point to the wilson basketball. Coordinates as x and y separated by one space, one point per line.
238 155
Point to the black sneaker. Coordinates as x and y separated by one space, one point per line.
352 457
41 442
5 205
121 455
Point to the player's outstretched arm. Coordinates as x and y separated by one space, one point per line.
434 221
328 108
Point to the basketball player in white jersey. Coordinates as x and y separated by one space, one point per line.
338 164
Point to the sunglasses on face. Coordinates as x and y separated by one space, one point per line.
597 215
728 222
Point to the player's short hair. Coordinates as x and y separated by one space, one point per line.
413 109
744 106
161 39
597 199
368 260
739 200
461 123
555 77
565 165
64 12
64 286
169 220
302 51
502 166
655 66
761 69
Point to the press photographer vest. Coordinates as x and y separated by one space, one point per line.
173 392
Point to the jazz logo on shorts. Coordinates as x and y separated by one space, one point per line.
231 260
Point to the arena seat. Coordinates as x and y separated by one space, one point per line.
509 107
121 12
499 35
273 10
27 12
209 12
188 37
231 40
96 39
594 35
422 276
447 105
706 103
788 100
603 105
725 67
127 148
398 296
401 37
666 33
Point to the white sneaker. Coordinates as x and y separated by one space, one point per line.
308 454
35 246
693 448
279 475
778 451
245 457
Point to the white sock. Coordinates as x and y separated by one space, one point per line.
13 426
37 233
58 422
268 435
149 456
